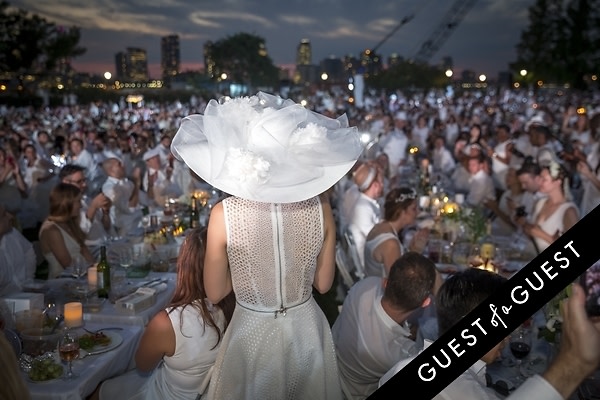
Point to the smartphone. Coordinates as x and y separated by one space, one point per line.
590 281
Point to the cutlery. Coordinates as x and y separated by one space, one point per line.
110 328
92 353
152 282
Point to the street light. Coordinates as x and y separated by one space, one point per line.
523 72
107 75
482 78
449 73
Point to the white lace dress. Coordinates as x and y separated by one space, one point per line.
278 345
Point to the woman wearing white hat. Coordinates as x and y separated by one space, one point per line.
271 241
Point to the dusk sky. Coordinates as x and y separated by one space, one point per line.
484 41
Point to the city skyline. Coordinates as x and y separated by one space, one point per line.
484 41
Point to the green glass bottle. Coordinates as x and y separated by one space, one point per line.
194 213
103 269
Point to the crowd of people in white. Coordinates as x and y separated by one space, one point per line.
532 160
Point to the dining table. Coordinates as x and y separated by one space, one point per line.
161 284
91 370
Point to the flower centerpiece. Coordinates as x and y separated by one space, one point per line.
465 221
552 330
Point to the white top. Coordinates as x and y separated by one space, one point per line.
180 375
471 385
394 145
591 195
122 216
481 188
278 344
368 341
372 267
552 224
55 268
17 262
366 213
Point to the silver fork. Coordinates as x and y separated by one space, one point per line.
110 328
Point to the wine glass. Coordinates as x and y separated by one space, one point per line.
145 223
520 346
68 349
499 259
78 268
126 258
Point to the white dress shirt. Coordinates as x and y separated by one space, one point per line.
368 341
366 213
17 262
471 385
394 145
481 188
122 216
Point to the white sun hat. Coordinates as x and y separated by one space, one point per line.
267 149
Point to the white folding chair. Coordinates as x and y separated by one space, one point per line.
341 261
352 251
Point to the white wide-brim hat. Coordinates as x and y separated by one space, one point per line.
267 149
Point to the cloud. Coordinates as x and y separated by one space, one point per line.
209 18
298 20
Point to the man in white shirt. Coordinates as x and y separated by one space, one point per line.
17 256
367 209
529 177
578 357
459 294
157 181
371 333
394 144
94 218
125 213
481 184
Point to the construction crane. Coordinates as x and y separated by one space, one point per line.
389 35
448 24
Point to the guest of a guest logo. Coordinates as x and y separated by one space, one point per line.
535 281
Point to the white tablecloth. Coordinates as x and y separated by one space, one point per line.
92 370
109 314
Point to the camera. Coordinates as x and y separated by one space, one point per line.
590 281
520 212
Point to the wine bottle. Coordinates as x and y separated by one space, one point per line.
103 270
194 214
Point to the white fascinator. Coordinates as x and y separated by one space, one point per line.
267 149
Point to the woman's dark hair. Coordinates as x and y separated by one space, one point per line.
189 290
396 201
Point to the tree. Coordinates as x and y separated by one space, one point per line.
407 74
562 41
243 57
29 43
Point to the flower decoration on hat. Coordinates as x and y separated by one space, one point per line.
265 148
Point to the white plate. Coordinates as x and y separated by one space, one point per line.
115 341
13 339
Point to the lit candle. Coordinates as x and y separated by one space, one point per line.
73 314
92 276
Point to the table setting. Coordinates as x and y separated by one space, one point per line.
76 364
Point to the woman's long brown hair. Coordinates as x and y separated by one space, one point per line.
189 290
63 198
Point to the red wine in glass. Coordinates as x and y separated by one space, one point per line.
520 349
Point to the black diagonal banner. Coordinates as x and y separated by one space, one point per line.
521 296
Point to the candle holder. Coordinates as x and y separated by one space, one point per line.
73 314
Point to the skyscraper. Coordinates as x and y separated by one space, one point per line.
304 53
121 65
137 64
170 56
305 71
